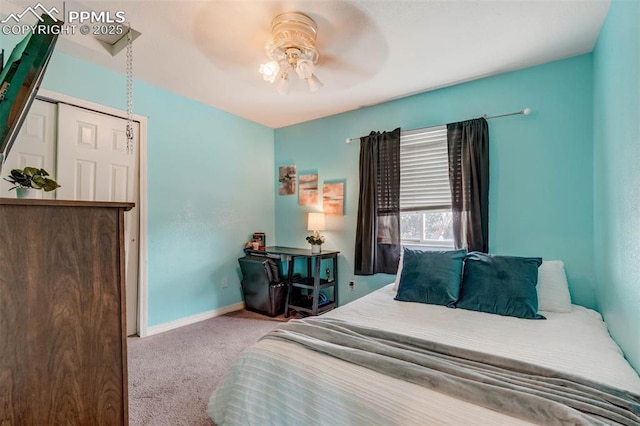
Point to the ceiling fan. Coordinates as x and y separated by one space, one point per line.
292 48
336 45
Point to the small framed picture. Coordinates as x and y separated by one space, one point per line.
287 180
333 198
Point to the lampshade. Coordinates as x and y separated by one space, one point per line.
315 222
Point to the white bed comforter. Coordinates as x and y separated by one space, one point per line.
281 383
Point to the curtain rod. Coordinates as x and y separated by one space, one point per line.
525 111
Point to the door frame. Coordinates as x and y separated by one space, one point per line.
143 249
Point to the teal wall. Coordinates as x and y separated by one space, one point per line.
617 174
541 195
210 187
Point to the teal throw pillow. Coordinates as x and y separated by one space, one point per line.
503 285
431 276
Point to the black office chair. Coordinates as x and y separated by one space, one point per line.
264 292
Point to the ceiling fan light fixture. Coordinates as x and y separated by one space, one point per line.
305 69
269 71
313 83
292 47
283 84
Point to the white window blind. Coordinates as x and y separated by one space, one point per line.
424 170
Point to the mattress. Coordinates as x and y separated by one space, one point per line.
277 382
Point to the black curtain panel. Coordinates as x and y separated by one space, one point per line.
468 145
378 223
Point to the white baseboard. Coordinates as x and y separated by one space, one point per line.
161 328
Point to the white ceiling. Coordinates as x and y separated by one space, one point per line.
371 51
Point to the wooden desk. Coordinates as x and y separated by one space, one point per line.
311 282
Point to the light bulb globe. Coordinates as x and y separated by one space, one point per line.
269 71
313 83
283 84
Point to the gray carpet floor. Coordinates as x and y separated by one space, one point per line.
172 374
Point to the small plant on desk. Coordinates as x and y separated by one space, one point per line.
315 240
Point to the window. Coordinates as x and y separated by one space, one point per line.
425 195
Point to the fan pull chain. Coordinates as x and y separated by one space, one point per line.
129 73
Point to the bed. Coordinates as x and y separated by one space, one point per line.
280 382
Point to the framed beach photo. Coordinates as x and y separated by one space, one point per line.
308 193
333 198
287 180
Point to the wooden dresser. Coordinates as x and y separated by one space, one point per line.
63 348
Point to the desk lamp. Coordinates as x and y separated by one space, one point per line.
315 223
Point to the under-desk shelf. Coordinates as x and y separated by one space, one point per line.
306 305
307 283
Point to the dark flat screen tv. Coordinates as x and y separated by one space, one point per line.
21 77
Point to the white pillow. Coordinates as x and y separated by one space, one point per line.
395 285
552 287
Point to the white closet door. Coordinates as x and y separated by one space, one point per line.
35 145
93 161
94 165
